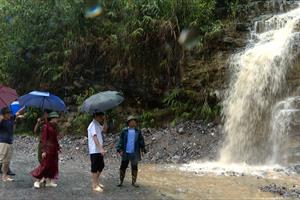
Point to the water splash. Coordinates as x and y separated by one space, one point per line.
259 81
284 119
240 169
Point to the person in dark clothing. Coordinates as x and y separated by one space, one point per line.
47 171
13 118
38 128
131 146
7 126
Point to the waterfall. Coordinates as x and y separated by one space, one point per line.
284 119
258 82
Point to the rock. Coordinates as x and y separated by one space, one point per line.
180 190
163 145
297 27
70 87
175 158
181 131
77 84
210 125
281 190
242 27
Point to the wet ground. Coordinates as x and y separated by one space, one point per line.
156 181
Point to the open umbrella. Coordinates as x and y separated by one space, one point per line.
15 107
7 95
42 100
102 101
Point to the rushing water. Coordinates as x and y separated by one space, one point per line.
251 112
284 121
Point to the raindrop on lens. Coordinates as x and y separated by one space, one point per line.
93 10
189 38
27 56
10 20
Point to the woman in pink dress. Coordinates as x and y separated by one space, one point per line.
47 171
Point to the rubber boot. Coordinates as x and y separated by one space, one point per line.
134 177
122 176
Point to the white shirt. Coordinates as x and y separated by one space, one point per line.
94 129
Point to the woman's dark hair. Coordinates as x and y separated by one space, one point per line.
5 110
95 114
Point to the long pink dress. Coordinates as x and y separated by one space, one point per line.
48 168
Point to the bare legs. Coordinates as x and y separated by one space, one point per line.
96 183
5 167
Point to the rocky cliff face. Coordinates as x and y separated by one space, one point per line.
205 70
208 70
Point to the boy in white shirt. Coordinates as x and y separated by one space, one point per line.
95 141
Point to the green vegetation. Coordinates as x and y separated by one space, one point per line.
188 104
53 42
132 47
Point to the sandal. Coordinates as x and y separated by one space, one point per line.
98 189
8 179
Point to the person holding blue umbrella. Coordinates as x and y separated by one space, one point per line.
46 102
47 171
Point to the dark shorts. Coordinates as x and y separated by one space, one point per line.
97 162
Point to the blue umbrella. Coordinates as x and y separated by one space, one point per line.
42 100
15 107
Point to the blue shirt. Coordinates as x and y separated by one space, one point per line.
6 131
130 140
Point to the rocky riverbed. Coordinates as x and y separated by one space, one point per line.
192 140
293 192
161 176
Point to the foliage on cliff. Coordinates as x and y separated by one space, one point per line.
132 47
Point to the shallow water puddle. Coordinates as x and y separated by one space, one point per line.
173 182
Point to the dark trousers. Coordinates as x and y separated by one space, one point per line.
134 170
125 163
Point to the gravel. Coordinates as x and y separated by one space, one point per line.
293 192
192 140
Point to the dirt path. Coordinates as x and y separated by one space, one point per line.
74 179
156 181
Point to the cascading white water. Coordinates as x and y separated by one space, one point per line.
284 119
258 82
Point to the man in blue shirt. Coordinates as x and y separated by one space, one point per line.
130 147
